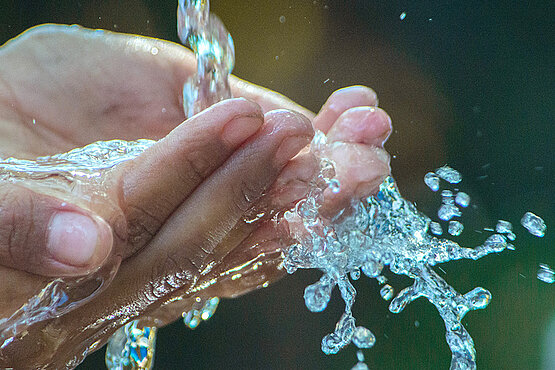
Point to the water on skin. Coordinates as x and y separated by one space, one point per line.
85 168
206 35
380 231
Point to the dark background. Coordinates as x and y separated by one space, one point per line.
469 83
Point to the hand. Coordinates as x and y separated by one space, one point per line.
171 219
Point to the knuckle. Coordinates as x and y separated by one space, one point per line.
17 226
245 193
142 225
172 274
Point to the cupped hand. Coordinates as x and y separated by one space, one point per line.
175 214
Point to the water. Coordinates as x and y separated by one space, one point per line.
462 199
449 174
546 274
423 273
214 52
386 230
131 347
202 310
455 228
84 170
534 224
432 180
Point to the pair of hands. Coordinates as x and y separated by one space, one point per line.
175 215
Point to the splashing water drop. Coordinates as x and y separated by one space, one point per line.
131 347
317 295
534 224
546 274
462 199
436 228
386 292
448 211
363 338
455 228
432 181
503 227
449 174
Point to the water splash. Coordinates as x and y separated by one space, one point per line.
83 171
131 347
202 310
546 274
385 230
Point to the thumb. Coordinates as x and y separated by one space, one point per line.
47 236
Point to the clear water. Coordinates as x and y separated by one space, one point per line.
534 224
380 231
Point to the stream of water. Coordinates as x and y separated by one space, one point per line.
381 231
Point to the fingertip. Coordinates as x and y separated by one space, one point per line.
294 130
365 125
340 101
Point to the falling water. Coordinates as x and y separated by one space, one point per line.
380 231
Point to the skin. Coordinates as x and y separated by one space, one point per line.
174 217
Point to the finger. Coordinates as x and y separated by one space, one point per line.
170 263
360 169
159 180
234 187
46 236
364 125
340 101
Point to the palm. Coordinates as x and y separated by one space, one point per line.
65 89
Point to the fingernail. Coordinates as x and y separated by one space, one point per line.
240 129
77 240
289 148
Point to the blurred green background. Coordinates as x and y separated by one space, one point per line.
468 83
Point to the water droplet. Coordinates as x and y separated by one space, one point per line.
455 228
449 174
546 274
386 292
317 295
363 338
372 268
448 211
503 227
360 356
462 199
202 310
432 181
435 228
355 274
534 224
360 366
478 298
334 186
131 347
447 197
282 19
